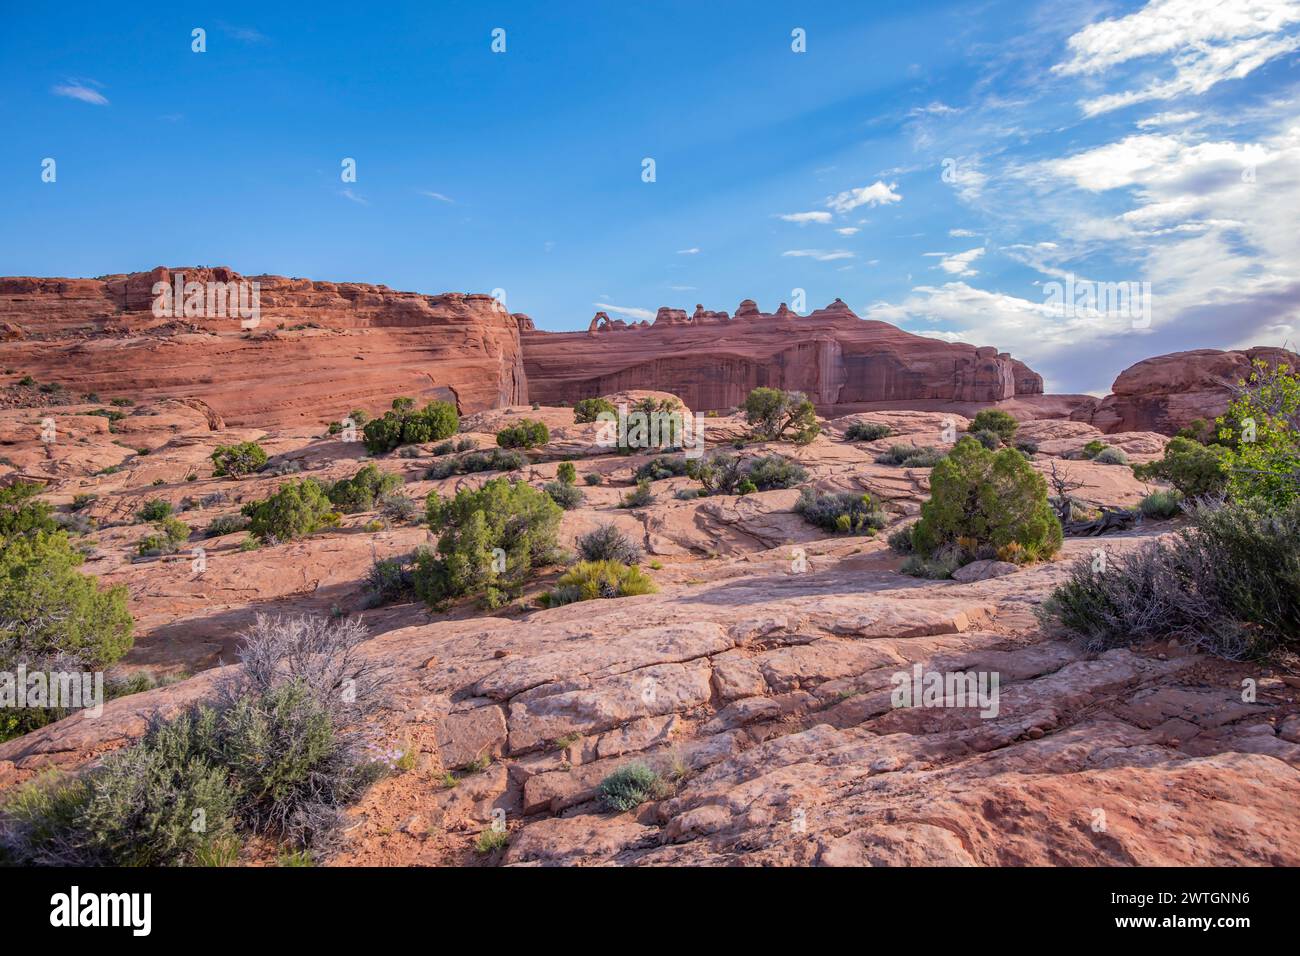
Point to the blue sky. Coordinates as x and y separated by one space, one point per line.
934 165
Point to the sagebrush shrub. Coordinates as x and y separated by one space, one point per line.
867 431
589 580
1162 504
638 497
632 785
564 494
1111 456
155 509
842 512
587 409
664 466
997 421
608 543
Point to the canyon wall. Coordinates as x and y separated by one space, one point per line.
1168 392
319 350
712 360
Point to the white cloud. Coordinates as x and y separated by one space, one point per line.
1167 119
438 196
877 194
630 311
961 233
349 194
806 217
81 90
934 109
1207 41
959 264
821 255
848 230
693 251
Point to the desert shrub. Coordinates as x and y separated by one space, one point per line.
48 608
689 494
773 412
167 538
664 466
297 509
638 497
566 495
155 509
632 785
1093 448
867 431
21 512
592 478
768 472
362 490
389 579
724 474
403 425
567 472
511 516
589 580
1111 456
526 433
900 540
238 460
608 543
901 454
990 497
495 459
1229 583
398 507
1192 468
988 438
270 755
587 409
1162 504
76 523
1262 430
997 421
843 512
746 487
936 567
79 502
226 524
1027 447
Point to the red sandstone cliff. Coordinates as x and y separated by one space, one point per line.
1167 392
712 360
319 350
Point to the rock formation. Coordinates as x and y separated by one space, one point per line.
319 350
712 359
1168 392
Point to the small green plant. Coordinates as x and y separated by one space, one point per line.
565 494
587 409
640 497
664 466
608 543
867 431
589 580
1094 448
491 840
298 508
238 460
842 512
170 534
526 433
1111 456
632 785
363 490
405 426
911 456
155 509
1192 468
591 478
997 421
1162 505
567 472
988 438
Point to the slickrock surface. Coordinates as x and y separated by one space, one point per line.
1168 392
713 360
320 350
757 679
